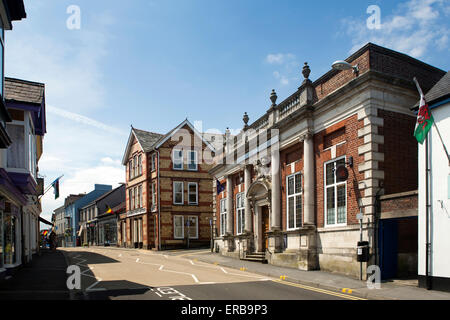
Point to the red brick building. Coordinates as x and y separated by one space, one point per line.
168 190
283 197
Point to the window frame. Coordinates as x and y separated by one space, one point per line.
153 163
196 227
174 193
335 185
174 162
140 164
153 195
196 193
294 196
175 228
223 212
240 213
195 160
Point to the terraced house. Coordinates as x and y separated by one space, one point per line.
168 190
332 148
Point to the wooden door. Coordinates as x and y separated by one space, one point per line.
265 227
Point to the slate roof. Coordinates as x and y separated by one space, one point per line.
147 139
24 91
440 90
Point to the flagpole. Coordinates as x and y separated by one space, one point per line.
434 123
49 187
427 206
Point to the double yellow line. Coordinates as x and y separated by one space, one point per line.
336 294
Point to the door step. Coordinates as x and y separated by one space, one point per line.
256 256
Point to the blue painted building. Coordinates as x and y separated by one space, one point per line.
72 212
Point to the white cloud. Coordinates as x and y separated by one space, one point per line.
83 181
287 64
86 151
279 58
84 120
417 27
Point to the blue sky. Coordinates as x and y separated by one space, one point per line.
154 63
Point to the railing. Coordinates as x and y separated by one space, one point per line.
261 123
289 106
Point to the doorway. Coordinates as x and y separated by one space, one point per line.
265 227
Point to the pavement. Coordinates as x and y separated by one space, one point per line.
44 278
390 290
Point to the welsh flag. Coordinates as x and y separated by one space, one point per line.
424 118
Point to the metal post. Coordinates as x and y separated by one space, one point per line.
427 242
188 224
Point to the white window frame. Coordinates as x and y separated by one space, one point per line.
335 185
190 152
176 160
182 192
175 228
223 216
240 213
294 195
153 162
140 164
196 227
130 169
196 193
153 195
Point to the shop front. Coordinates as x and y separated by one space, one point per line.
10 230
107 231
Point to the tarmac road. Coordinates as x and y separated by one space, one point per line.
118 274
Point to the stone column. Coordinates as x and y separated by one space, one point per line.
230 216
276 189
248 213
308 168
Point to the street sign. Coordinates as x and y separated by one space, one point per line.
359 216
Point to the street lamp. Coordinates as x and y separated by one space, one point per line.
344 65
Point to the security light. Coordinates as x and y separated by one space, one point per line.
344 65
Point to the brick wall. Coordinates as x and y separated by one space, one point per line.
400 149
349 148
293 154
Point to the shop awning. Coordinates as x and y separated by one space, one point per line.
45 221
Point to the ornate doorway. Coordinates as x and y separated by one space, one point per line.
265 227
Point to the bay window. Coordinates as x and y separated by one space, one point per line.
16 152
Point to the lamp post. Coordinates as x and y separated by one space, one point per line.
344 65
